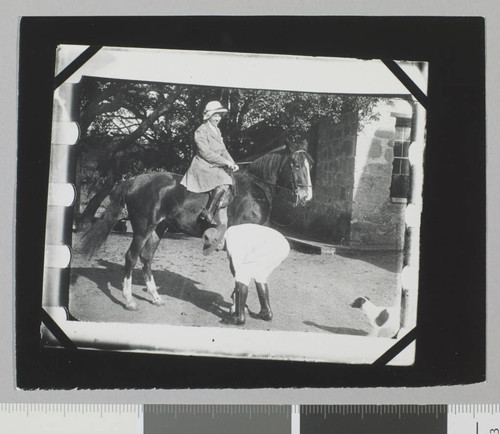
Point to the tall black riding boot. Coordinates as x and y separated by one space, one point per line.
240 296
214 202
265 307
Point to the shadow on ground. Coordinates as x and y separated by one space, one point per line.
169 283
390 261
337 330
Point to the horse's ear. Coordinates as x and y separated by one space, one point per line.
303 144
290 143
284 139
294 143
299 144
299 141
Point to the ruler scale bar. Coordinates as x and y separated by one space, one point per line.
243 419
374 418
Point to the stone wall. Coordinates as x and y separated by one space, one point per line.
376 220
352 180
328 215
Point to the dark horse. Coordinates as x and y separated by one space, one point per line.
156 202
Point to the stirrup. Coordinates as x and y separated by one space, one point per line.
207 216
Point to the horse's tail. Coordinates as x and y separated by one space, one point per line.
95 237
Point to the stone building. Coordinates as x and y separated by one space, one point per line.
360 180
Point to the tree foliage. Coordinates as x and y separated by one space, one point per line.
129 127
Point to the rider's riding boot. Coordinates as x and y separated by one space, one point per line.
265 307
240 296
214 202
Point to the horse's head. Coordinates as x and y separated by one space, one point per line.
295 173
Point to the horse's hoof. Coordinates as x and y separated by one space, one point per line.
159 302
131 305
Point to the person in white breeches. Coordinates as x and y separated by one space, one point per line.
254 252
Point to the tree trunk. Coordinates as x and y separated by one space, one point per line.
93 205
162 109
113 170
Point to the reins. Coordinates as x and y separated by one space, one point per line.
295 185
259 182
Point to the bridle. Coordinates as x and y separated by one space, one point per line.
295 185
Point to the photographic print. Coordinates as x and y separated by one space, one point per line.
219 202
235 205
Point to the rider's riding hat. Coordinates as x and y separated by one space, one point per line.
212 108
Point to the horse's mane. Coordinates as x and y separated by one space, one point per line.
267 166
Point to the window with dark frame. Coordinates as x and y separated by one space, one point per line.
400 185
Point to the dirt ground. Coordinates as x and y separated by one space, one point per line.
309 292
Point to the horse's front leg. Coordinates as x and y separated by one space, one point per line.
146 256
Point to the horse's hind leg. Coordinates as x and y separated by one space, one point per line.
138 241
146 256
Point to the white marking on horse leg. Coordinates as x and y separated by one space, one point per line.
152 290
309 183
127 287
130 303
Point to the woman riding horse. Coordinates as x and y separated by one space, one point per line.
207 172
156 202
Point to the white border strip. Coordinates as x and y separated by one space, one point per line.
241 70
223 342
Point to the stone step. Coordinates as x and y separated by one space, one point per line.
323 248
315 247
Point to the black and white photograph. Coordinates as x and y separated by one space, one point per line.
304 213
222 207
